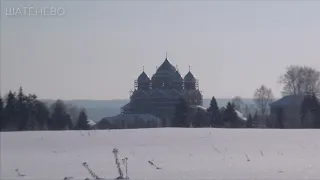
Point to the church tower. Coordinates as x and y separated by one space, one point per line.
143 82
190 82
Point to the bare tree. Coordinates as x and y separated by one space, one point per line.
237 103
311 81
262 98
300 80
248 109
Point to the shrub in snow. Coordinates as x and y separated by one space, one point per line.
90 171
19 174
115 152
125 163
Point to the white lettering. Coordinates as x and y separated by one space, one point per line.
18 12
32 11
45 11
24 10
35 11
9 12
61 11
53 11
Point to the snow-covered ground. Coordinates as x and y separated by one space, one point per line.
201 153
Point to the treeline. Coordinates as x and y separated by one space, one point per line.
213 116
21 112
297 81
227 117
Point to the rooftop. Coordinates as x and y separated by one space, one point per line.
288 100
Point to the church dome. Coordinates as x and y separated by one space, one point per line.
166 66
143 77
165 72
189 77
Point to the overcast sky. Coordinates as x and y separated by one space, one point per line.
97 48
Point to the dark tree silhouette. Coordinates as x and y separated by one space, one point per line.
59 119
1 114
42 115
231 115
82 121
200 120
22 110
31 120
10 112
26 112
180 114
69 124
213 112
249 122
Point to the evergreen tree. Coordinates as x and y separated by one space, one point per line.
32 123
69 124
42 115
249 122
51 125
180 114
213 111
231 115
10 116
83 121
199 120
220 120
59 118
1 114
22 110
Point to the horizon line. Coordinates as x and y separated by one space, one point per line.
118 99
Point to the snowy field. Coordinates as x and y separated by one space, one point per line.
180 153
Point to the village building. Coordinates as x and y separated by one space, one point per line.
288 110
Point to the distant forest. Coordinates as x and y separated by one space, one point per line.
19 111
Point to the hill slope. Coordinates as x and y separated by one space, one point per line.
181 153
